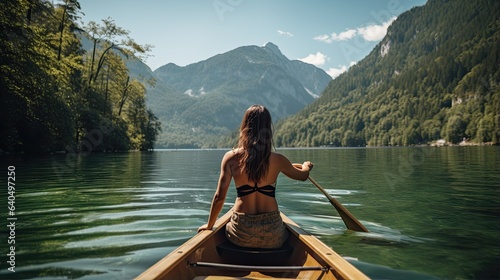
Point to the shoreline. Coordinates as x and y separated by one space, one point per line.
434 144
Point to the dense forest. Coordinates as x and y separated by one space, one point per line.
56 96
434 76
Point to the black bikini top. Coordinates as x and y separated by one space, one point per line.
268 190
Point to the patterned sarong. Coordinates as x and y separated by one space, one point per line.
257 231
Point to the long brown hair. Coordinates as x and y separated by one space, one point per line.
255 142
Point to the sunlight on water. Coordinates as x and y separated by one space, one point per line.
430 212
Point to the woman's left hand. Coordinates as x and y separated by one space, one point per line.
203 227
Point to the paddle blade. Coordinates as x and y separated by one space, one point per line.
349 220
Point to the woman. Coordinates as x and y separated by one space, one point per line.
256 221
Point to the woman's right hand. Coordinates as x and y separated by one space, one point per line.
295 171
307 165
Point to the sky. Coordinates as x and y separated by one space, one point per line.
331 34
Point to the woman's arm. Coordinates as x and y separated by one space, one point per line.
221 192
295 171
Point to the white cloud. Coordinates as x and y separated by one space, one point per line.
323 38
374 32
335 72
285 33
315 59
344 36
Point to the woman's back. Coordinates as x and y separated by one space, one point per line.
260 201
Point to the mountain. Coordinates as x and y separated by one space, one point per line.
434 76
201 102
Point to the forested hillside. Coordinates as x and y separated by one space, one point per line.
435 75
57 97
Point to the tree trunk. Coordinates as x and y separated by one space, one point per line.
124 96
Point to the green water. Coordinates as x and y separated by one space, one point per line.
432 212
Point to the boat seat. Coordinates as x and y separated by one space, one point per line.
267 270
234 254
230 247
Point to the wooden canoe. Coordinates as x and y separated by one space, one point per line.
209 255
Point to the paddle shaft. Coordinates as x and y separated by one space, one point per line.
349 220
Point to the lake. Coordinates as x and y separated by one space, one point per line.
433 213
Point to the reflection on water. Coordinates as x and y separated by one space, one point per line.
431 211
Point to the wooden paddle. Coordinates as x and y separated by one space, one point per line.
349 220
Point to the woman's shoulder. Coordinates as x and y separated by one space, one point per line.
236 151
232 154
278 156
279 162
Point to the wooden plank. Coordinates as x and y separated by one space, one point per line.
266 268
176 257
339 266
215 277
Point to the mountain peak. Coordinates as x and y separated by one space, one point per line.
229 83
272 47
